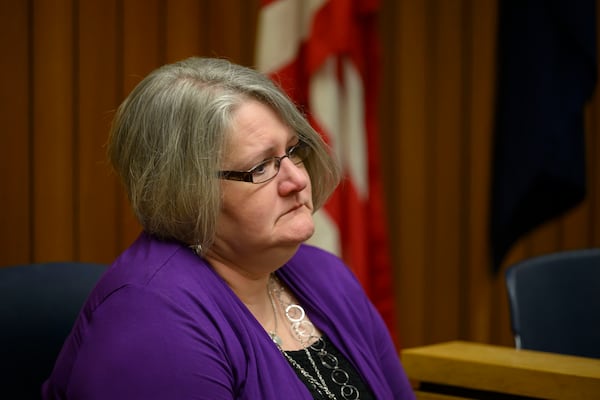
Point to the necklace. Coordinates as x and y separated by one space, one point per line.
304 331
273 334
319 385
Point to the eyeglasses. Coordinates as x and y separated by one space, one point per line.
269 168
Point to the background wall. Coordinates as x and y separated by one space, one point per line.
67 65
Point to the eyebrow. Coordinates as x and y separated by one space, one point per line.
269 153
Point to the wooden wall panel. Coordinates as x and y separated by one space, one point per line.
231 30
547 239
184 29
390 62
143 39
15 137
72 62
53 131
410 152
576 228
97 95
446 185
480 28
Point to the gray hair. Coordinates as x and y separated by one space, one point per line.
169 135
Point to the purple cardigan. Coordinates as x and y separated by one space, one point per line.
161 324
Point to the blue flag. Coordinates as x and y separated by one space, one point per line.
546 74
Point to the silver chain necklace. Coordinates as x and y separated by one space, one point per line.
304 332
319 385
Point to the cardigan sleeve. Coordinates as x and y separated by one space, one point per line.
138 344
390 359
377 335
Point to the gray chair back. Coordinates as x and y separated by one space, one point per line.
554 302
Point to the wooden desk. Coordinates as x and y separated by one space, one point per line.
466 370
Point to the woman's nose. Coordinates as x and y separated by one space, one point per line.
292 177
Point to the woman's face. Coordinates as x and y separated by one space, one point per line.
275 215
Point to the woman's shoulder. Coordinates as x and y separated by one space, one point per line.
164 269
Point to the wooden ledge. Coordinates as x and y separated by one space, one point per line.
468 367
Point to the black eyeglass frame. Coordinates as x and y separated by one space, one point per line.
246 176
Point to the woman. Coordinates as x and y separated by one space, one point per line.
219 298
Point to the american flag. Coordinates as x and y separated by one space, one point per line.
325 54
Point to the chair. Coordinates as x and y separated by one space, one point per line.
38 306
554 302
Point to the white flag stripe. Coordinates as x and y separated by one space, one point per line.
327 234
282 26
339 110
324 103
353 127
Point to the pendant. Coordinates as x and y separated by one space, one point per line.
275 338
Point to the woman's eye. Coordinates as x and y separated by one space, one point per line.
298 153
260 169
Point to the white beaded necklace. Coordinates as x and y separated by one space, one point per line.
304 332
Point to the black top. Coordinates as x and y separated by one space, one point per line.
324 363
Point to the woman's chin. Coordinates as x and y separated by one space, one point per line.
299 232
